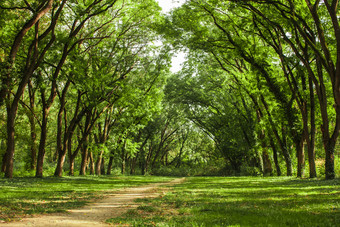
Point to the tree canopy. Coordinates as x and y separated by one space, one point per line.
86 87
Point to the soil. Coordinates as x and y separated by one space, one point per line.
95 214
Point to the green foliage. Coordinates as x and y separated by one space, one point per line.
213 103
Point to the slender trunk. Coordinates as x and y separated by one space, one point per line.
285 153
60 163
301 159
179 162
329 164
33 149
109 166
133 165
71 169
276 162
3 166
311 141
42 144
102 166
147 161
123 167
12 109
33 146
259 160
99 163
11 113
91 164
84 157
72 155
123 156
282 144
142 161
267 165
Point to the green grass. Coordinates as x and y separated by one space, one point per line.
241 201
24 196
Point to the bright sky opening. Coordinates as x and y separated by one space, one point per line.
179 58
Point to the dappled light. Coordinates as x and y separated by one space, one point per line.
97 95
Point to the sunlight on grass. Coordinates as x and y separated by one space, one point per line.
22 196
243 201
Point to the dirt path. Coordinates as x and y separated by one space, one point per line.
95 214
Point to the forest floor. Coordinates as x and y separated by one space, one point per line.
95 214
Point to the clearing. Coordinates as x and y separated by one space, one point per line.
95 214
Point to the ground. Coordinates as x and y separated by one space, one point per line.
95 214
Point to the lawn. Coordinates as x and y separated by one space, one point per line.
20 197
241 201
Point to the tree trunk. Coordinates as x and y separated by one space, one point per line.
301 159
11 113
102 166
84 157
60 163
3 166
99 163
276 161
123 156
329 164
42 144
91 164
123 167
285 152
133 165
267 165
142 161
281 142
71 170
311 139
109 166
33 21
33 149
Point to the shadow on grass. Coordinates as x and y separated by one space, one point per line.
249 201
29 195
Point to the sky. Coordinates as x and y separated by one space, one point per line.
179 57
167 5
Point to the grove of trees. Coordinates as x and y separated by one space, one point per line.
86 88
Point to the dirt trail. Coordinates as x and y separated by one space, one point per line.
95 214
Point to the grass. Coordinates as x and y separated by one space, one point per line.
20 197
241 201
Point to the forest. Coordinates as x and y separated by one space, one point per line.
86 88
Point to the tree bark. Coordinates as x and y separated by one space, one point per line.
99 163
102 166
276 161
267 165
33 146
91 164
311 139
43 137
15 48
11 113
109 166
84 157
301 159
